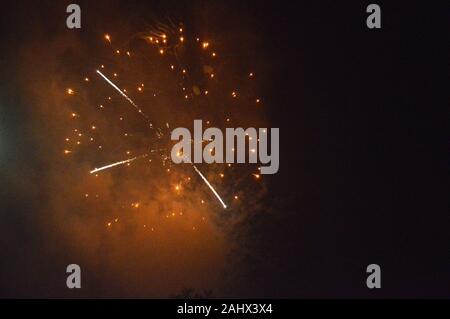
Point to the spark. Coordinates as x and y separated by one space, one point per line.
210 186
117 163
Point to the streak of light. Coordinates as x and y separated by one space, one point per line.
123 94
210 186
117 163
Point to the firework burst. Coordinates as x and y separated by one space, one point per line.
165 66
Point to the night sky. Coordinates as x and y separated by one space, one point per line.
363 156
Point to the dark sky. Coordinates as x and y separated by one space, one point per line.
360 121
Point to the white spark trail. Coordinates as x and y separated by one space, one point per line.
124 95
210 186
116 164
